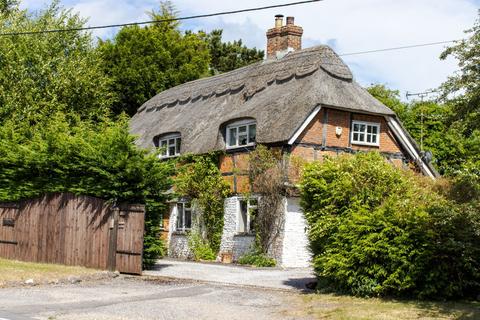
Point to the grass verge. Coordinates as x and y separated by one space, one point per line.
334 307
12 272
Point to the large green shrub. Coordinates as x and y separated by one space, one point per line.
66 154
376 230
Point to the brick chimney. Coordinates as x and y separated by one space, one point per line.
283 38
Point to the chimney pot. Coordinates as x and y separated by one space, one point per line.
279 21
283 39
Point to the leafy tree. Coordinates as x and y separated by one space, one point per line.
227 56
428 123
462 91
143 61
45 73
7 6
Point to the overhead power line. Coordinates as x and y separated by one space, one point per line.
399 48
158 21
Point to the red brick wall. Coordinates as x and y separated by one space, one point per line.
338 118
235 165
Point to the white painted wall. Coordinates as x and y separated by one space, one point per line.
233 243
296 252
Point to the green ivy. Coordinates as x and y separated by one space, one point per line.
199 178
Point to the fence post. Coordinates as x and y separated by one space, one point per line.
112 245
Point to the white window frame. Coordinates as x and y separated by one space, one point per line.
185 206
250 206
365 133
236 126
176 144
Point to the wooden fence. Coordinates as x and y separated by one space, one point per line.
73 230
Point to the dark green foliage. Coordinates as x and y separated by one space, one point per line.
257 259
450 127
7 6
430 125
143 61
376 230
227 56
43 74
462 90
199 178
65 154
153 246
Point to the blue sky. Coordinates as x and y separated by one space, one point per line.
345 25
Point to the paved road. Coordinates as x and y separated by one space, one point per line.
287 279
136 298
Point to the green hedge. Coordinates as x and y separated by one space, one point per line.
66 154
376 230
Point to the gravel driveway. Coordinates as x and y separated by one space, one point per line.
277 278
137 298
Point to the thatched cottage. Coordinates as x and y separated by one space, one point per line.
304 102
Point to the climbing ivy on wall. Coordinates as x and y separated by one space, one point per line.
267 176
199 178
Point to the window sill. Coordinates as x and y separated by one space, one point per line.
180 233
366 144
248 147
168 157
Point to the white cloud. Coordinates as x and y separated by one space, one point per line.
347 25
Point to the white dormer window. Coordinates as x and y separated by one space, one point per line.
365 133
170 145
241 134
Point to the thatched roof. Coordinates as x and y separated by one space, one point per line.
279 94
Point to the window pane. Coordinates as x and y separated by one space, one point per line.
362 128
171 150
163 145
252 212
179 216
355 137
242 139
242 129
252 133
178 146
369 138
374 129
188 218
369 129
242 217
356 127
361 137
374 139
233 137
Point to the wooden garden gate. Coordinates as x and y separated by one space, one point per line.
73 230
